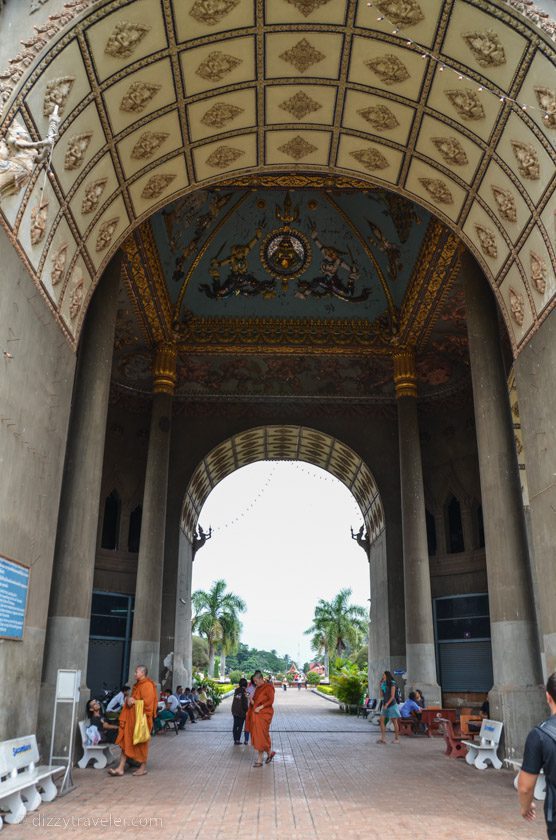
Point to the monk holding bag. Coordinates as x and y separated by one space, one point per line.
259 718
136 722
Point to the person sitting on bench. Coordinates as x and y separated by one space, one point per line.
107 731
411 708
475 726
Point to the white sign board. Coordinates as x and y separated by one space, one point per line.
67 686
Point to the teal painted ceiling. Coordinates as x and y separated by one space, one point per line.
345 253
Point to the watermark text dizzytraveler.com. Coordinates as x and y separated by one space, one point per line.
107 821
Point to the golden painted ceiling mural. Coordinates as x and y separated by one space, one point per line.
451 104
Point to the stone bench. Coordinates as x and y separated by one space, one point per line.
99 753
485 749
24 784
540 785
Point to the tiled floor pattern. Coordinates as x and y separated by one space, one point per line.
329 780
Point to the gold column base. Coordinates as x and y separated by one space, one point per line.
164 369
405 375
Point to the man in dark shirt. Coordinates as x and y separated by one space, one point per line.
540 753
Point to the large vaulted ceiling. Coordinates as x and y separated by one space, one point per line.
161 97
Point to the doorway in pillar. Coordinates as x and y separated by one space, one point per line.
109 640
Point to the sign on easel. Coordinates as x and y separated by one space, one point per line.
68 682
14 586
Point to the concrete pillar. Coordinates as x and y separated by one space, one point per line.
534 369
516 697
379 629
183 665
67 636
420 653
145 639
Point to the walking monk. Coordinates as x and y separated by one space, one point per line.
145 690
259 718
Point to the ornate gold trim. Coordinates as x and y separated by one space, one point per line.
298 181
344 336
405 375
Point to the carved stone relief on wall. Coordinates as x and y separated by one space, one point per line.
297 148
93 192
57 92
38 222
467 103
487 241
220 114
438 190
370 158
211 12
400 12
59 259
125 39
76 296
539 270
76 149
105 234
223 156
451 150
307 7
299 105
517 307
138 96
505 203
216 66
388 68
156 185
486 47
302 56
148 144
547 101
527 160
379 116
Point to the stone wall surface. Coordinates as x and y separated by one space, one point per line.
35 398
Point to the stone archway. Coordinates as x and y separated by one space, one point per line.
448 107
286 443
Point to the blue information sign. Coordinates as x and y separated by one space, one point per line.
14 585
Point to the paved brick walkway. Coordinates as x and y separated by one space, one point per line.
329 780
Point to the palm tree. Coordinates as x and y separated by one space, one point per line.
337 623
320 646
214 610
231 630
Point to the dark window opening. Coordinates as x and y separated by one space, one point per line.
134 529
431 533
480 527
455 527
111 521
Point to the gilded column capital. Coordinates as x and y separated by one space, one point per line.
164 368
405 375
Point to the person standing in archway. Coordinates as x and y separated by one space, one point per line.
259 718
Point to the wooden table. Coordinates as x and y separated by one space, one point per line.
430 718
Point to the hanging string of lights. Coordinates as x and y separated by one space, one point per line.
298 466
548 115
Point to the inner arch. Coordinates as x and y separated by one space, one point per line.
284 443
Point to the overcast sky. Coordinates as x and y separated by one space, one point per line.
287 543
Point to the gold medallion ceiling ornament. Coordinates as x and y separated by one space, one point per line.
284 443
452 104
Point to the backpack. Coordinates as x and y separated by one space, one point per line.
549 728
240 703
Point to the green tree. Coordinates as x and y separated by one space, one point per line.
231 629
337 624
200 656
214 611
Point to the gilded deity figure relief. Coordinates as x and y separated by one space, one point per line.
19 155
239 281
329 283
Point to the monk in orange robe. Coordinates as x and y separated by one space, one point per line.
145 690
259 718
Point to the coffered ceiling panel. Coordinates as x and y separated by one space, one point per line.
226 112
206 68
191 92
